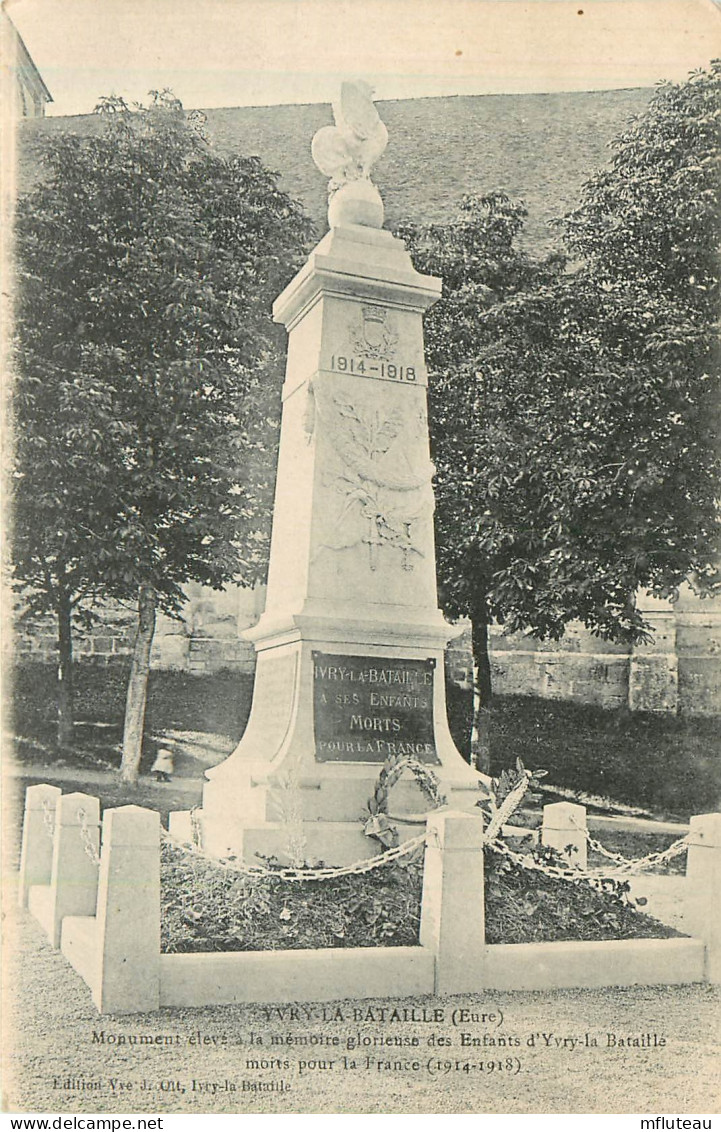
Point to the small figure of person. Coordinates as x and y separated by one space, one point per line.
162 768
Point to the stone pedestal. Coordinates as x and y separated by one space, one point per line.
702 904
564 829
350 647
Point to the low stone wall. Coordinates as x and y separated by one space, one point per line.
207 638
110 639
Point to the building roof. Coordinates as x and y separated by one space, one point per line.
24 60
536 147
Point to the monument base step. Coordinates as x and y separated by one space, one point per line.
339 793
333 842
327 842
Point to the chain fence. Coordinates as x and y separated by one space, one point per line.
83 830
88 843
365 865
501 815
492 838
294 873
627 865
526 861
597 878
49 820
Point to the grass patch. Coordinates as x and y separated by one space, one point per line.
670 765
216 705
209 908
525 906
217 702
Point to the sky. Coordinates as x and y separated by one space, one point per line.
261 52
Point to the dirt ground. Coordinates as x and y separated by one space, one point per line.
639 1050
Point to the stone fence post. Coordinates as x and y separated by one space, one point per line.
702 908
564 824
127 977
36 857
74 876
452 911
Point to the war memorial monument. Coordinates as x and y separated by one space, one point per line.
350 648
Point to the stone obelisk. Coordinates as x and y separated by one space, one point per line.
350 646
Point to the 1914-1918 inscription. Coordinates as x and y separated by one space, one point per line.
369 707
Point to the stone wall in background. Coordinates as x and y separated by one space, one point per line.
678 672
207 639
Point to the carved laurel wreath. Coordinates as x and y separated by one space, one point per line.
366 435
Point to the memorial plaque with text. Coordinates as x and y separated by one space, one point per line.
369 707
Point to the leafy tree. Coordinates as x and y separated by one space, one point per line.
653 218
147 369
478 257
61 502
575 412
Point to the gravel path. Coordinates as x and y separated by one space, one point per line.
63 1057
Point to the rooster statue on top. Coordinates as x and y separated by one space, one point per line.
346 153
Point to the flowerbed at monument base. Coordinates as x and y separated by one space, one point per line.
209 908
96 892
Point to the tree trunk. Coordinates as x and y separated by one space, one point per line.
65 671
482 694
138 686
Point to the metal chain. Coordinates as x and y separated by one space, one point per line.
596 880
594 877
640 864
535 866
196 827
85 837
294 874
49 820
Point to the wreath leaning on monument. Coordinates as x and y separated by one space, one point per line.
379 825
